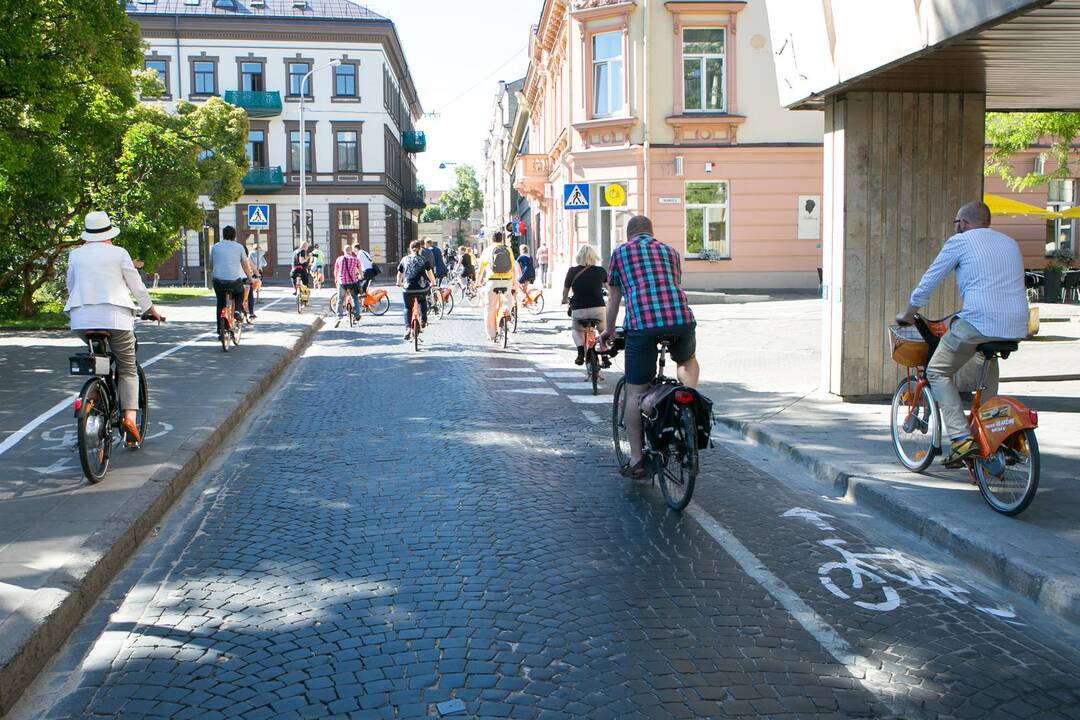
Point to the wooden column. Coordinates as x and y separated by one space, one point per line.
897 167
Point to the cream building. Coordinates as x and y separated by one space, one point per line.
676 104
496 184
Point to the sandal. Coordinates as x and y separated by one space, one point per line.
635 471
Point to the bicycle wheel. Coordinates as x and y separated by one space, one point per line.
236 330
1009 478
416 335
504 330
142 415
299 301
448 302
620 437
380 306
537 305
513 318
223 333
592 366
678 469
94 429
440 306
915 430
333 304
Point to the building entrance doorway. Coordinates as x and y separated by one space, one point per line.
607 222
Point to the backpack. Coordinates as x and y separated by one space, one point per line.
415 278
501 260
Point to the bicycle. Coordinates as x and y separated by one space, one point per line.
230 324
416 324
502 331
376 303
97 409
303 294
1006 468
670 438
592 356
442 301
533 300
467 291
349 310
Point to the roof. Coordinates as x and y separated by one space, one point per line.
311 9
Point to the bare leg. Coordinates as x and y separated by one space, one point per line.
579 335
688 372
633 420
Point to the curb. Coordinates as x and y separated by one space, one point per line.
148 506
1058 594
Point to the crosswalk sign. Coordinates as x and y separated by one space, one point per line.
258 216
576 196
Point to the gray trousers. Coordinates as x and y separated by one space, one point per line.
957 347
123 347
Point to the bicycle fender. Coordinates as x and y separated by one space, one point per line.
1000 418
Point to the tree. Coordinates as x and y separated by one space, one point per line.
464 198
1010 133
432 213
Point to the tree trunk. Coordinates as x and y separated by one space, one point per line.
26 300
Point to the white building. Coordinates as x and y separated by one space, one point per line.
359 118
496 184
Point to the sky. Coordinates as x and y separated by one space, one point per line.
457 53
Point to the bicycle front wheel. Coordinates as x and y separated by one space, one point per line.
514 318
236 330
915 425
94 429
620 437
678 471
1009 478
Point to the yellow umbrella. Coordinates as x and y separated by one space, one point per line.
1070 213
1004 206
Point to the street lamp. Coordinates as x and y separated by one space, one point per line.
304 146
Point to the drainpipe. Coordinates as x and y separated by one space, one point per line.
179 69
646 110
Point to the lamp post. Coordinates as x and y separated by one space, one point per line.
304 146
444 166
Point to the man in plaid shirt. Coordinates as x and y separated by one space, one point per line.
347 277
647 273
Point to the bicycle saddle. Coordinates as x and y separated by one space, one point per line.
666 339
1002 348
499 290
589 323
97 333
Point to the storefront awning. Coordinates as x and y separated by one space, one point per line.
1004 206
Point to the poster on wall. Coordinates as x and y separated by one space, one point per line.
809 217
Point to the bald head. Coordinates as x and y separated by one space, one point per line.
975 214
638 225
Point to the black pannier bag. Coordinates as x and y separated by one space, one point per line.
658 407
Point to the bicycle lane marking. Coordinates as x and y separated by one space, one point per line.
19 435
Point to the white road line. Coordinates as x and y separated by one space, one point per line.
532 391
16 437
592 417
579 385
590 399
875 681
515 370
563 373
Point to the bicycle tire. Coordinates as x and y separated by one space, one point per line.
592 366
352 317
514 318
620 437
142 414
224 335
504 329
416 335
915 448
94 429
536 306
380 306
333 304
236 330
993 487
441 305
449 301
677 484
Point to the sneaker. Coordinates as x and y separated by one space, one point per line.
959 451
580 359
408 335
336 324
605 362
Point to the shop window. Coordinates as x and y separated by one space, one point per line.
707 218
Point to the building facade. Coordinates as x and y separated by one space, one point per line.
676 104
496 183
359 119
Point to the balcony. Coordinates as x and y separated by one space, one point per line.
264 180
531 175
414 141
257 103
413 200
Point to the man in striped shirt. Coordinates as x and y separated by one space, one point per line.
347 277
990 274
647 272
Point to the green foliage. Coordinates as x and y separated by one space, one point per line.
464 198
432 213
1060 260
1010 133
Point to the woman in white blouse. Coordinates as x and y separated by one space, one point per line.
101 278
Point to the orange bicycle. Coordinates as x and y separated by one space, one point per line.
1006 468
504 319
533 300
415 319
375 302
230 324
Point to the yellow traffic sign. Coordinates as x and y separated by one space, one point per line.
615 195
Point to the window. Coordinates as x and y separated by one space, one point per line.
1060 196
349 219
345 80
607 77
297 71
256 148
160 66
348 151
703 70
251 77
294 151
205 72
706 218
310 232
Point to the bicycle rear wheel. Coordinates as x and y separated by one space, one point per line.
299 300
448 303
914 426
619 435
142 415
380 306
1009 478
94 429
592 366
416 335
537 305
333 304
678 469
514 318
236 330
223 332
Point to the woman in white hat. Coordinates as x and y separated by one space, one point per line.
101 278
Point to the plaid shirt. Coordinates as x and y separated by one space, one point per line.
347 270
648 273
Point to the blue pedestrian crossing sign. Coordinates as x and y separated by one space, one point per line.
575 196
258 216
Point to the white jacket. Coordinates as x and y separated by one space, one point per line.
100 273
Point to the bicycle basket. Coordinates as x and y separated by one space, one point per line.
908 347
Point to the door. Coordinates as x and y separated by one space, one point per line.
349 226
265 238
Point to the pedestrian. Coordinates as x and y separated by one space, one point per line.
542 263
586 282
101 280
347 277
415 276
496 274
229 266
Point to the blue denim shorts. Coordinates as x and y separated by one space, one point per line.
641 350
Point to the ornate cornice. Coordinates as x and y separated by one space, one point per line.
691 129
595 9
606 131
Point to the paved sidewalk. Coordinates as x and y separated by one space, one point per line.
62 539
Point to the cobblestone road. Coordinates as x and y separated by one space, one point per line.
398 530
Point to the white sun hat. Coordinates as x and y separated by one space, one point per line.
99 227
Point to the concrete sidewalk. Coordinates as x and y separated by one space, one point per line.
62 539
760 365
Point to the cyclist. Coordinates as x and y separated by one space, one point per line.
647 273
229 268
451 255
367 266
526 269
587 281
990 274
347 278
301 261
467 266
415 277
437 263
496 273
101 279
316 268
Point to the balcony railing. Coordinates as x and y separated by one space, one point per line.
258 103
414 141
264 179
414 200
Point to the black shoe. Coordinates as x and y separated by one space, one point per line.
336 324
580 359
605 363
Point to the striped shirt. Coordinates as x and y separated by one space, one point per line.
990 274
648 273
347 270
